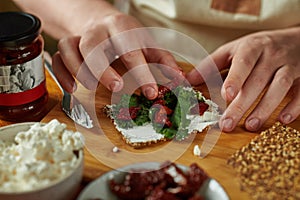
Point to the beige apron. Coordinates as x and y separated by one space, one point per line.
215 22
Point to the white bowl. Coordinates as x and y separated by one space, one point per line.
99 188
65 188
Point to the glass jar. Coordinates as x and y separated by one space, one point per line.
23 92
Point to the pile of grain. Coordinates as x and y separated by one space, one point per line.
269 166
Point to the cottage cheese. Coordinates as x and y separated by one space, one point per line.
197 150
39 156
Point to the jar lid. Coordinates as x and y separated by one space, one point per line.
18 28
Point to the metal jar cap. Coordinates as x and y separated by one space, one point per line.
18 28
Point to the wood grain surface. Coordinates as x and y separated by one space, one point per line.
100 140
99 157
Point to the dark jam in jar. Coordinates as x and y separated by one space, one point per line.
23 93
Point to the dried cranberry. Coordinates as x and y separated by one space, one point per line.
168 110
199 108
168 123
161 116
161 194
162 90
197 176
128 113
160 102
196 197
134 112
159 184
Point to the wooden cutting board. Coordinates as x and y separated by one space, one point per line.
99 157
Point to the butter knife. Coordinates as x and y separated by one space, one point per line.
75 111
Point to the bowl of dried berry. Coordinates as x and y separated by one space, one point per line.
40 161
153 180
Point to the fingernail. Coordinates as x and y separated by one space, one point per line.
227 124
230 93
287 118
253 124
115 86
74 87
150 92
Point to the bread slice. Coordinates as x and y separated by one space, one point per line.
191 113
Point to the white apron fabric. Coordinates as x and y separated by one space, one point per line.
215 22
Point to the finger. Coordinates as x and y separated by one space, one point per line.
207 67
153 52
156 54
64 77
136 63
128 46
243 62
292 109
73 61
279 87
218 60
168 66
256 82
98 52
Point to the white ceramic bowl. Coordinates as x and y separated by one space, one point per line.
210 190
65 188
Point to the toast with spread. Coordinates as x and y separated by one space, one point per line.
178 111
